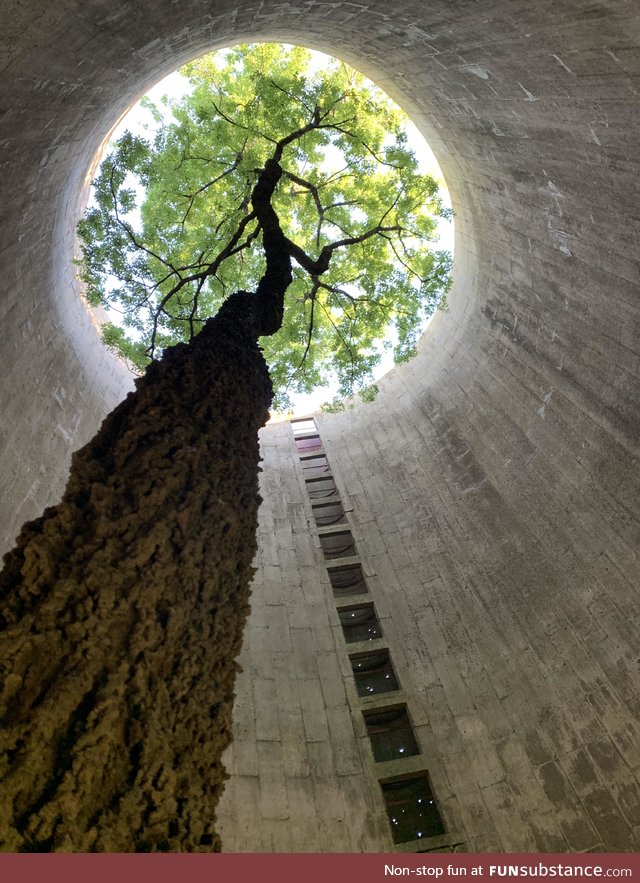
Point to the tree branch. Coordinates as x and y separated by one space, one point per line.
192 196
232 247
312 297
129 230
321 264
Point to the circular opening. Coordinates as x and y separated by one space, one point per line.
174 109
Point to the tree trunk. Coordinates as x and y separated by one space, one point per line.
123 610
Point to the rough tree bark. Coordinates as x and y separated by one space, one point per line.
123 606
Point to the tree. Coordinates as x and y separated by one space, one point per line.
358 218
123 606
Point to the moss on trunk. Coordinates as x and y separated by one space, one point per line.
123 610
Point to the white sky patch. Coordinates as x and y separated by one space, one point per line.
141 122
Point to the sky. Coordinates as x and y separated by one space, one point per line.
140 122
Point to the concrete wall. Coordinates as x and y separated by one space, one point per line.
494 484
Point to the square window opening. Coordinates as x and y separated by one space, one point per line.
318 488
391 734
359 623
347 581
328 514
314 466
373 673
411 808
304 425
308 444
338 545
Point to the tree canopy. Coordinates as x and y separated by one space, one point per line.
174 227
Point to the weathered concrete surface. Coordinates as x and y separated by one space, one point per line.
498 471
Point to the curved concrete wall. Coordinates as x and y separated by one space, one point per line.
497 472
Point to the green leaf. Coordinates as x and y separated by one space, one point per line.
166 209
